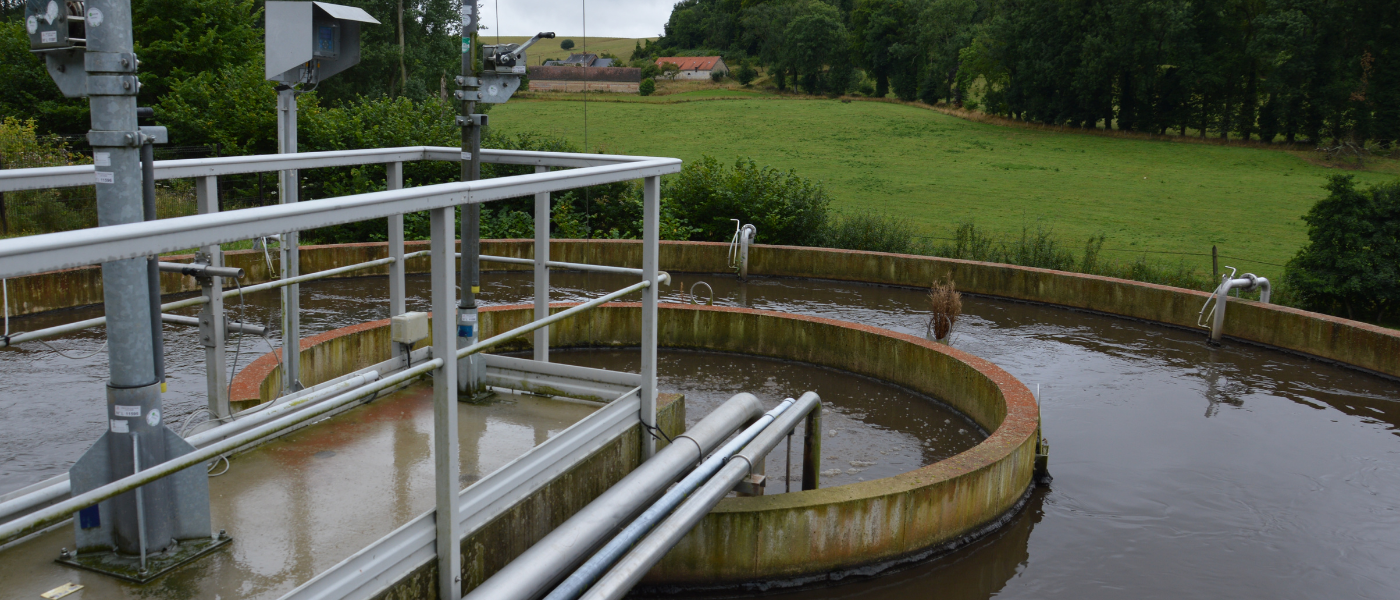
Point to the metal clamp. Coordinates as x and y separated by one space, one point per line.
114 139
472 120
465 81
467 95
113 85
110 62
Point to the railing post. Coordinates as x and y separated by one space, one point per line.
542 270
445 444
812 450
397 299
290 255
651 229
212 330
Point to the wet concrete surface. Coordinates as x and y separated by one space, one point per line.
1180 470
305 501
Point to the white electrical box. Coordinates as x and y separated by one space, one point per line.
409 328
306 42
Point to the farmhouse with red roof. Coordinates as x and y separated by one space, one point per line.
695 67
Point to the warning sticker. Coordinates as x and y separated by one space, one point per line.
128 411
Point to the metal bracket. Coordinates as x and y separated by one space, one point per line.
497 88
113 85
114 139
154 134
471 121
752 485
110 62
469 96
465 81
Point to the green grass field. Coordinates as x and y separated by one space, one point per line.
938 171
550 50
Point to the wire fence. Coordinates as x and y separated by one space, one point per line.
1136 251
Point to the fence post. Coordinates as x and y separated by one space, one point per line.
397 291
445 444
542 270
212 329
651 247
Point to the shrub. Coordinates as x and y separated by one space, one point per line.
647 86
716 76
41 211
746 74
567 44
786 208
650 70
874 232
1351 263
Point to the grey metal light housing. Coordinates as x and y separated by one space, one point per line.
307 42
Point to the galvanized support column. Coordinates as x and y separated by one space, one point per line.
542 270
651 249
213 330
812 450
397 293
445 443
469 368
291 257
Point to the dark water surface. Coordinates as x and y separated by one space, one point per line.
1180 470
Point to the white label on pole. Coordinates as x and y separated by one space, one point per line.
120 426
48 37
94 17
153 417
128 411
102 159
491 90
105 177
518 69
466 156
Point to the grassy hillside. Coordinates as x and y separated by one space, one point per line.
550 50
938 170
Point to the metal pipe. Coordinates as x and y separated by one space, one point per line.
197 300
551 319
746 237
598 564
140 506
537 569
231 326
650 550
201 270
1248 283
58 512
665 277
148 201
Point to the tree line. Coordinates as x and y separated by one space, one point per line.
1324 72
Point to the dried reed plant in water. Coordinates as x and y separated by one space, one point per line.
946 304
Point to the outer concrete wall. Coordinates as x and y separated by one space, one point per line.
1354 343
805 534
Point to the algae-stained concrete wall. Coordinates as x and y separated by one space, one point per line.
1350 342
802 534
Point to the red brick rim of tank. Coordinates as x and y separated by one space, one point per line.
1021 422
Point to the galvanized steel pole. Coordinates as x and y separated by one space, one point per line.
212 332
651 249
290 253
468 378
542 270
397 291
445 444
133 389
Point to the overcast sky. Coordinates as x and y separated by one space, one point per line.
606 18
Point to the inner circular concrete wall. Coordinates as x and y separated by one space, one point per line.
800 536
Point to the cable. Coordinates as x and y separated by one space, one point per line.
242 319
65 355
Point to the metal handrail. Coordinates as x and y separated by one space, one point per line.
47 332
38 178
53 251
